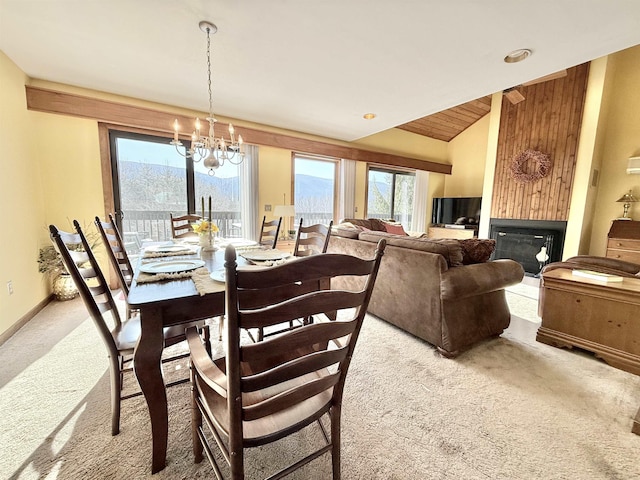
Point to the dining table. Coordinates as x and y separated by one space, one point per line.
173 300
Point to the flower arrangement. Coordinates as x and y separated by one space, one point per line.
542 161
203 227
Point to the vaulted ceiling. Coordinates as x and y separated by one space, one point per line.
446 125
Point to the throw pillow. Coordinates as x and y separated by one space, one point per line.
396 229
476 250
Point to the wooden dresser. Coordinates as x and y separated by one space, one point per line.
624 241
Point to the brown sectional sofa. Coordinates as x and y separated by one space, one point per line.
424 287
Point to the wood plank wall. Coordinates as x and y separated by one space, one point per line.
548 120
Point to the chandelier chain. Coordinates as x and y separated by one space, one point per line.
209 72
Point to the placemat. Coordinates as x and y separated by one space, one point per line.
200 276
168 254
204 283
158 277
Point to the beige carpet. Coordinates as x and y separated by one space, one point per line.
511 408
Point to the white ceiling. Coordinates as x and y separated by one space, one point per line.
311 66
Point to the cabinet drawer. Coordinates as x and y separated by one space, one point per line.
624 244
626 255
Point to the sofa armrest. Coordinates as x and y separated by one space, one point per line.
479 278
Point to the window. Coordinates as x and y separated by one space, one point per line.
390 194
151 180
314 190
224 190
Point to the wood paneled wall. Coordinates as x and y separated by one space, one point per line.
548 120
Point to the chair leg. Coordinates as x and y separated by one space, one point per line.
236 464
196 424
115 373
207 339
220 327
335 441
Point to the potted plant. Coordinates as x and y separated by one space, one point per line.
50 263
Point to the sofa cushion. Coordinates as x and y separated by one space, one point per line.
449 248
347 230
369 223
394 228
476 250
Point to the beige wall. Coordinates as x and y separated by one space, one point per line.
468 153
406 143
621 141
583 193
274 179
22 215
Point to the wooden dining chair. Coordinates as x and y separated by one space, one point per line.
262 392
312 239
117 254
181 225
269 232
120 340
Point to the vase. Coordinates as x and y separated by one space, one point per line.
205 241
208 242
64 287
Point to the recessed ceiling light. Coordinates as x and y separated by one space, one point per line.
517 55
369 116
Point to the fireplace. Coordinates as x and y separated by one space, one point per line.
532 243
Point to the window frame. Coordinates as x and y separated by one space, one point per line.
385 169
115 134
336 181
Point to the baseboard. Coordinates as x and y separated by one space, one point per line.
6 335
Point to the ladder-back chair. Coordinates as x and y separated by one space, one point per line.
117 254
181 225
120 340
269 232
262 392
312 239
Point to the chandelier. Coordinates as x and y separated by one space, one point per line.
211 150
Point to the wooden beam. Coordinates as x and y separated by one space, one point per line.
51 101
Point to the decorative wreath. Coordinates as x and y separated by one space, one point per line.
542 161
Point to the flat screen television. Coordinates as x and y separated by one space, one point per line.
456 211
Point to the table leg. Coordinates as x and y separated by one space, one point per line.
148 370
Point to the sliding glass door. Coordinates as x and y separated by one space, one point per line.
315 189
390 194
151 180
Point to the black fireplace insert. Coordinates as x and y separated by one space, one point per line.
532 243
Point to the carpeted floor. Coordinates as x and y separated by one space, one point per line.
510 408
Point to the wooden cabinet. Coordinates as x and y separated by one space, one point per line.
624 241
596 316
458 233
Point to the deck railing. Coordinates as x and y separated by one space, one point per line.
156 224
